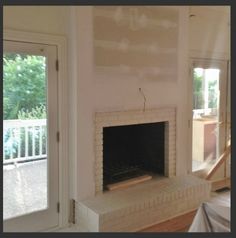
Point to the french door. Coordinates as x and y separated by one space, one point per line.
208 103
30 126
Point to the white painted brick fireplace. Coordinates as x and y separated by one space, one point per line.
144 204
166 115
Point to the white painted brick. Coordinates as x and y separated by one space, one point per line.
98 137
135 117
99 157
99 177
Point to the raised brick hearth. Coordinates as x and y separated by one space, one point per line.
142 205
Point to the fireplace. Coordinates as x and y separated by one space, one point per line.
131 151
158 199
149 145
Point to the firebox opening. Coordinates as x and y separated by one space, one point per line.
132 150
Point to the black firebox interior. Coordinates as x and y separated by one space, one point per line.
132 150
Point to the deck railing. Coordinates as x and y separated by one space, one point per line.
24 140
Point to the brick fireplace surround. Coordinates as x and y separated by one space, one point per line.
144 204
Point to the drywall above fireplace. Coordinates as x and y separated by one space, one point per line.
136 41
106 119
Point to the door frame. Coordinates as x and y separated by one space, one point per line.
205 62
60 43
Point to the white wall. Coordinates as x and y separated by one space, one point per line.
42 19
209 32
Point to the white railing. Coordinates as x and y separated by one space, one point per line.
24 140
207 112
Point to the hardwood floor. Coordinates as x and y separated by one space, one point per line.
178 224
183 222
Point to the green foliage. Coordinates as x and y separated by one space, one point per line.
24 84
197 82
198 94
212 88
198 98
39 112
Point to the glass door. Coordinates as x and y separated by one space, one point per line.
30 147
209 112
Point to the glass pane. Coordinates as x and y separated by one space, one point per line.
24 134
205 117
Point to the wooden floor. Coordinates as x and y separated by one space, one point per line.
178 224
183 222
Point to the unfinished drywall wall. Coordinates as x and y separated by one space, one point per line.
139 41
111 91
